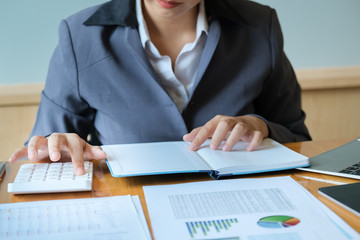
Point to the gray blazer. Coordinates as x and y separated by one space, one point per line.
100 80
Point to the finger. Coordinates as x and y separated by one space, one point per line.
75 145
255 141
93 153
190 136
204 133
34 145
55 142
221 131
239 130
18 154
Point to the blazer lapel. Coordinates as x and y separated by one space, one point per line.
133 44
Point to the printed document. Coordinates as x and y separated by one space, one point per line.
119 217
251 209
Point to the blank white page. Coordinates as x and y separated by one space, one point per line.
270 155
152 158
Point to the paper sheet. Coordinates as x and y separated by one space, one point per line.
119 217
253 209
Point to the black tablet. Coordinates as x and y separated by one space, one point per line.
347 196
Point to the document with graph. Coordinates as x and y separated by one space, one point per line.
107 218
256 209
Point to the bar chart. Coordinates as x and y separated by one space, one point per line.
204 228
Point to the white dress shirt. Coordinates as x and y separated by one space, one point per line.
180 82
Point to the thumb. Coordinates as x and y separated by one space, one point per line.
18 154
94 153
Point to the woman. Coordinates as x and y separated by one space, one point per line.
152 70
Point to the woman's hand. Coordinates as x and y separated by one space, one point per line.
232 129
60 146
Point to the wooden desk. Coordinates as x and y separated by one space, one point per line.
105 185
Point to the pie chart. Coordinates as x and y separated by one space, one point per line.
279 221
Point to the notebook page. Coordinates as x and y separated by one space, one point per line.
152 158
270 154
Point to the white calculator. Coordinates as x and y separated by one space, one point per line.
51 177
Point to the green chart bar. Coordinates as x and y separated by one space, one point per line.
204 227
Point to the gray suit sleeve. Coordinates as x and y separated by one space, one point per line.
61 108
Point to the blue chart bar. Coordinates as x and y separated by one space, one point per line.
202 228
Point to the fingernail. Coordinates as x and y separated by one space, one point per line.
100 151
185 137
31 154
192 147
213 147
250 148
79 171
55 156
226 148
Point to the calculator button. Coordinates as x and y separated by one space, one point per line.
82 176
41 166
54 168
53 172
20 179
52 176
36 179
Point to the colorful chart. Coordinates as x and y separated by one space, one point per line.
203 228
278 221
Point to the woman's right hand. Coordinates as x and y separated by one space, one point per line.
60 146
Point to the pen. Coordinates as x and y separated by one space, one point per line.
2 168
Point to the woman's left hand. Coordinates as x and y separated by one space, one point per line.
232 129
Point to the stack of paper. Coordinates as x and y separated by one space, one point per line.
119 217
255 209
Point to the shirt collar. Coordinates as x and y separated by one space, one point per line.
143 30
201 25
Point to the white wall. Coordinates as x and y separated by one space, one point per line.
28 36
320 33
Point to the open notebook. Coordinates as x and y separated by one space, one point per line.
174 157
